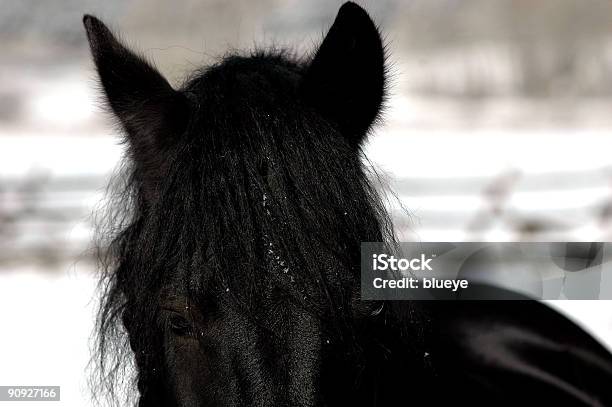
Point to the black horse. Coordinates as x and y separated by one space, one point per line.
232 274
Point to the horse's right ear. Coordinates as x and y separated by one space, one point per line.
149 109
346 79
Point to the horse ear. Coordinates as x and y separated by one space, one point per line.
149 109
346 79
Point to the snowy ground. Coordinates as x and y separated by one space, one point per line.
47 319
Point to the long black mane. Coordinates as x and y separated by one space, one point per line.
259 198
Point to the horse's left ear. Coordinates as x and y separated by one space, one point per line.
346 79
149 109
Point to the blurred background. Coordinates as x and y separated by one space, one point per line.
499 128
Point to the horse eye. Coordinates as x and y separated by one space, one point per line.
179 325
